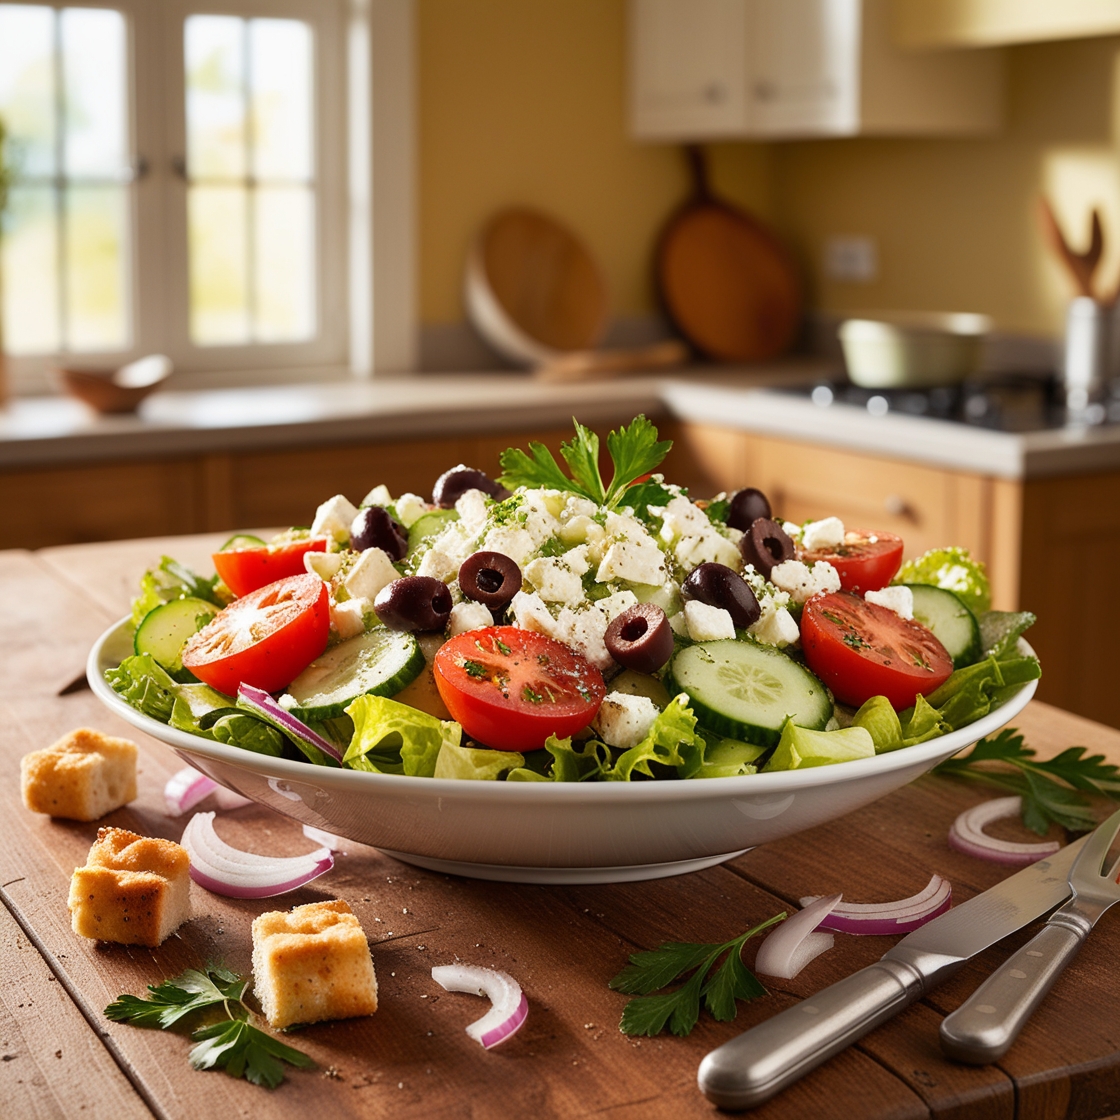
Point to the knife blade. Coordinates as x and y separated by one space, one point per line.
759 1063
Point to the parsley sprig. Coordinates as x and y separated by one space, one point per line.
634 450
232 1043
1053 789
680 1009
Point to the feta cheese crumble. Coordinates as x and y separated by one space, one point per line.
623 720
897 599
802 582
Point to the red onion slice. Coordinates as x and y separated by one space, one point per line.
510 1007
967 834
258 701
787 950
229 871
886 918
187 787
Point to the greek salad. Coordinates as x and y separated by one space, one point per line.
547 625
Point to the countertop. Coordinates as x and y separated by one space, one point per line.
62 1058
53 430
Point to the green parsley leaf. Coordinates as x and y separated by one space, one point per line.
1053 790
635 451
538 469
232 1043
647 972
582 456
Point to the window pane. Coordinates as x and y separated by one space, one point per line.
96 283
284 243
96 112
27 85
215 62
280 68
30 263
218 255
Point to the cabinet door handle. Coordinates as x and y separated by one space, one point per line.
895 505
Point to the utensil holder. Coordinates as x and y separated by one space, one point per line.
1091 357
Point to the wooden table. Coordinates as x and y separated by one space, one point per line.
59 1056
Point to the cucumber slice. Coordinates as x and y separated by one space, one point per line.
743 690
951 622
429 525
164 630
380 662
242 540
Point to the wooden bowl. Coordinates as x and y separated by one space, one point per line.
116 390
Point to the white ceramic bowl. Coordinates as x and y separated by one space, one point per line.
913 351
537 832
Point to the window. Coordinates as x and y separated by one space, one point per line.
181 183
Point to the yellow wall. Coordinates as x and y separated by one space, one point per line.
523 101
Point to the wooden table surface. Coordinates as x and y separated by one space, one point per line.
59 1056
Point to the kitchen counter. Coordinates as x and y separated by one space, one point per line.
63 1058
53 431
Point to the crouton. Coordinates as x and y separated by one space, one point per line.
81 777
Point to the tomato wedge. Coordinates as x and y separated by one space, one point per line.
266 639
866 561
245 569
860 650
512 688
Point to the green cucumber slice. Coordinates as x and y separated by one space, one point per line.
164 630
380 662
242 540
741 689
951 622
428 525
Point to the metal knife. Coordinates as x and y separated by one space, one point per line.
983 1028
750 1069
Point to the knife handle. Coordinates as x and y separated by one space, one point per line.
750 1069
983 1028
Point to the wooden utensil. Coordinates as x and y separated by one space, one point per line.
1080 267
726 281
583 365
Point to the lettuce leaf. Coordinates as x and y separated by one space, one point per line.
721 758
583 761
172 580
672 736
800 748
475 763
392 738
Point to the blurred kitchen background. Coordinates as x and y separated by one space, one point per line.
282 198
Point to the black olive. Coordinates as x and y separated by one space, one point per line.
414 603
374 528
490 578
766 545
721 586
640 638
747 506
453 484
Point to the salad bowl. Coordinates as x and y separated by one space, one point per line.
545 832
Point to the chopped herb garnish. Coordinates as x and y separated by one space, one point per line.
475 668
680 1009
855 641
232 1043
502 647
533 697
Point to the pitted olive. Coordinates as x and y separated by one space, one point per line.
640 638
766 545
453 484
414 603
723 587
374 528
747 506
490 578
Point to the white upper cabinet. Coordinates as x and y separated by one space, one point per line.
702 69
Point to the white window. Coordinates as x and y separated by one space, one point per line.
182 183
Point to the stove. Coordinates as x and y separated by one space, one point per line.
1004 403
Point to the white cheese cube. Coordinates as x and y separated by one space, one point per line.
378 496
468 616
471 508
792 530
712 548
582 528
438 565
409 508
554 580
530 613
333 519
323 564
775 626
897 599
679 624
707 623
372 571
623 720
636 560
828 533
348 618
681 518
803 582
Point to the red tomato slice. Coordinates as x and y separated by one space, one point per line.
861 650
864 564
266 639
245 569
512 688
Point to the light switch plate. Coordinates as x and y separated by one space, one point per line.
852 260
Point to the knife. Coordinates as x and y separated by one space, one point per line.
983 1028
750 1069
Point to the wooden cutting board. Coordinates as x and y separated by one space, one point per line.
412 1059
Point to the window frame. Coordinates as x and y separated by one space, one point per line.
364 146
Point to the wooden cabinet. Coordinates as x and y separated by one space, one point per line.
703 69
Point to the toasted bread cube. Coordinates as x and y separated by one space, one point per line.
81 777
312 964
134 890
